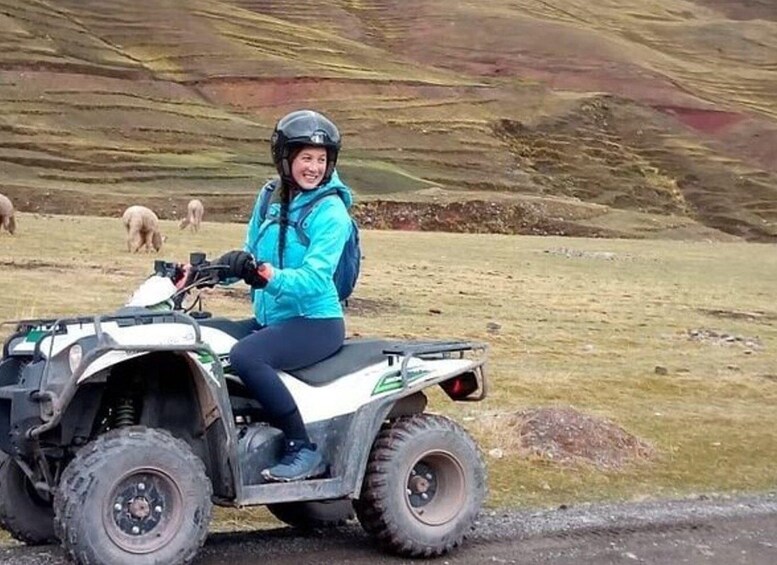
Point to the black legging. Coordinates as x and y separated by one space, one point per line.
287 346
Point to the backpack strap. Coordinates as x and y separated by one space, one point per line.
306 210
265 197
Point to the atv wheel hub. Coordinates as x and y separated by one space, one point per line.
422 485
435 491
144 511
139 508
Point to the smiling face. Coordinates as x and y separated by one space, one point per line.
308 167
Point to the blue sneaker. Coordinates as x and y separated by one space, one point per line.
296 464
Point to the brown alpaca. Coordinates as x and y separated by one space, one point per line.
142 227
194 212
7 220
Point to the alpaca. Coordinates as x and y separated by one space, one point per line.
142 227
194 212
7 219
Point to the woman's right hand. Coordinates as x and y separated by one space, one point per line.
234 264
241 264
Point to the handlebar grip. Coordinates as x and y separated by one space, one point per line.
196 258
160 267
166 269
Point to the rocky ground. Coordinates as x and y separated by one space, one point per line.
711 530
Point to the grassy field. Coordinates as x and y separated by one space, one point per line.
582 323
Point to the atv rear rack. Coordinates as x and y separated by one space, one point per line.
427 348
439 350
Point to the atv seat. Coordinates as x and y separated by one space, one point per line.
234 328
355 354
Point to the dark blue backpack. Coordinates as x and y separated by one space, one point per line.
347 271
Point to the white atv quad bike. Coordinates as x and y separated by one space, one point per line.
119 432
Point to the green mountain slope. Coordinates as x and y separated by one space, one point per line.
613 115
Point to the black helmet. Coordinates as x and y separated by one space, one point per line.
304 127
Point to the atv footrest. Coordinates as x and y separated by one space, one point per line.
298 491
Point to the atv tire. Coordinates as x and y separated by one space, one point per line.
134 495
314 514
423 488
26 515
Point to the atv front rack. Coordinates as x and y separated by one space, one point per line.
103 343
58 326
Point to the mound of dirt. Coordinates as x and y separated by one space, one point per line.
566 436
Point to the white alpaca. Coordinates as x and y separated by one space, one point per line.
7 220
142 227
194 212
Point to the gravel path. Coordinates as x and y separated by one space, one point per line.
719 530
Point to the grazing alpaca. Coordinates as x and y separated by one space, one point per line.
142 229
194 212
7 220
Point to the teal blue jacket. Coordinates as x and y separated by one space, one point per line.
304 286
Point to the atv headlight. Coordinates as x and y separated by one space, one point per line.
74 357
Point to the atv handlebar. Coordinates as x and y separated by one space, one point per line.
199 273
172 271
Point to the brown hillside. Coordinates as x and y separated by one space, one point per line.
659 113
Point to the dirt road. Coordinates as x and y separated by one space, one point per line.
710 531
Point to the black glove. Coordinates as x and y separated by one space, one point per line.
256 276
240 264
234 264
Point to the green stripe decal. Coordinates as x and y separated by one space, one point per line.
393 380
205 357
35 336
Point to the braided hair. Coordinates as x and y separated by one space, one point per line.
285 191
